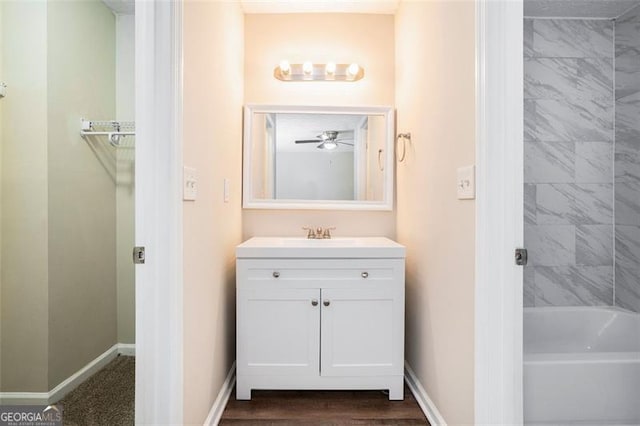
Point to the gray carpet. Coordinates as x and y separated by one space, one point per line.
106 398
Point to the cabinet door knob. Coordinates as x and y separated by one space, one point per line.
314 302
365 274
326 302
276 274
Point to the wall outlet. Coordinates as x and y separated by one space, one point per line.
189 184
466 183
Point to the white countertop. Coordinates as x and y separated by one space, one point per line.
339 247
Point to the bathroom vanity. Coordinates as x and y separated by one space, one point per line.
320 314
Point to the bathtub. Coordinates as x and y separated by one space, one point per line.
581 365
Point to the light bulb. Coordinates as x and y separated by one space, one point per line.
330 68
285 67
330 145
353 69
307 68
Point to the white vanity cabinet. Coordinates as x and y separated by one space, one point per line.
309 317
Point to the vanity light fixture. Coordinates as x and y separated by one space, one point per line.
309 71
307 68
285 68
353 69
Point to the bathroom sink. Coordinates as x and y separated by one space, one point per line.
319 242
353 247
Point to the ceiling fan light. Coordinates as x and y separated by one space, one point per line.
329 145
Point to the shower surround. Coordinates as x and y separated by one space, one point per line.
582 161
568 146
627 160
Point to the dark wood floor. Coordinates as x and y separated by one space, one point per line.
322 408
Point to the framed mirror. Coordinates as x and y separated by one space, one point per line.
301 157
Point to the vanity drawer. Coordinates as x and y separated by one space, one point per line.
325 270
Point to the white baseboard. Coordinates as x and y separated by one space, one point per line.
127 349
24 398
72 382
426 404
223 397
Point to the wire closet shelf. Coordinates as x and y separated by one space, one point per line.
115 131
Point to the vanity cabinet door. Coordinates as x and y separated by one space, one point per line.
278 331
362 332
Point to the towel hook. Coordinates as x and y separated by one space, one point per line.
404 137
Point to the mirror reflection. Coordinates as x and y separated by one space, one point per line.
306 156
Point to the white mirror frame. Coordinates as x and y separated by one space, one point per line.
248 202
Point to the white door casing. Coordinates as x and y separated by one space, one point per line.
158 212
499 211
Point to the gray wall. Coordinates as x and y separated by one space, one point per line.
627 160
568 172
24 263
322 175
58 278
81 186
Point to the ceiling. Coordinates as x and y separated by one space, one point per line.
385 7
608 9
121 7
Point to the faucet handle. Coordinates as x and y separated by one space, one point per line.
311 233
327 232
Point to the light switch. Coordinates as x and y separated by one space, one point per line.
466 183
226 190
189 184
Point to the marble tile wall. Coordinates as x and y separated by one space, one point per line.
627 160
569 157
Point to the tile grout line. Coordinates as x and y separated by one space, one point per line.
613 171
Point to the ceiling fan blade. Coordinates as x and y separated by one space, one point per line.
345 143
309 141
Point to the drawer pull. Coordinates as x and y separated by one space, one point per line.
314 302
276 274
326 302
365 274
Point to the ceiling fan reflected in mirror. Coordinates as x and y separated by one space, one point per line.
328 139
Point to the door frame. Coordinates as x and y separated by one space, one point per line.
499 212
158 212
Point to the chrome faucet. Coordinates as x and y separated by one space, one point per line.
318 233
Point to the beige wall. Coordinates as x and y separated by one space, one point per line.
24 281
82 274
125 171
213 95
343 38
435 102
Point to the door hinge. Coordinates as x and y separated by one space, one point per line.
138 255
521 256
